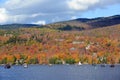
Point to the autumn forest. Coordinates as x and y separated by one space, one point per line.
50 46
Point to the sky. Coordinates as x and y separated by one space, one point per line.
50 11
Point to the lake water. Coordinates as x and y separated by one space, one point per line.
60 72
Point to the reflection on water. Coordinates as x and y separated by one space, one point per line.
60 72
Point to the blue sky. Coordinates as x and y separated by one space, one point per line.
49 11
108 11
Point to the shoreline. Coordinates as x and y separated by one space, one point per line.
63 64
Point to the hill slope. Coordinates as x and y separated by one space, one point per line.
72 25
102 21
16 26
85 23
48 46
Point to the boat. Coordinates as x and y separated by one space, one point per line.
112 65
93 64
50 64
7 66
25 65
103 65
79 63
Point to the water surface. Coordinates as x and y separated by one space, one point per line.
60 72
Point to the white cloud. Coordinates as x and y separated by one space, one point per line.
3 15
17 4
74 17
81 4
28 11
41 22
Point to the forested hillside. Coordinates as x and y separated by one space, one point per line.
85 23
47 45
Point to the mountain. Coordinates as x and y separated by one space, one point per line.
72 25
16 26
51 46
68 25
101 21
85 23
109 31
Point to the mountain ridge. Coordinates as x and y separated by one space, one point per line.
85 23
76 24
17 25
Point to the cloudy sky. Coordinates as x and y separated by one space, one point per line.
49 11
